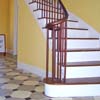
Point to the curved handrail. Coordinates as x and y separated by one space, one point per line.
66 13
52 24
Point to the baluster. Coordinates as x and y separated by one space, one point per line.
47 55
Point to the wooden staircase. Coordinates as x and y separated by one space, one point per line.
75 69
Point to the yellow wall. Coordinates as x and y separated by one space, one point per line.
31 42
11 24
4 18
88 10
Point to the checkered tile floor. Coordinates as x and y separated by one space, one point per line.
18 85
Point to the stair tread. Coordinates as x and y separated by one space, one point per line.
74 81
38 2
50 5
78 38
83 49
84 38
49 11
77 28
84 63
56 19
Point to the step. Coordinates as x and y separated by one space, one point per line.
37 13
50 11
84 50
33 6
86 44
74 88
86 63
58 19
75 33
82 43
71 23
74 81
40 4
83 55
82 69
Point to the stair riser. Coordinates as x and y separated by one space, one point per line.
77 44
79 33
33 6
70 24
83 44
27 1
83 56
82 72
52 90
37 14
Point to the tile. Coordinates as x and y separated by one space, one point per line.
21 94
13 73
19 85
20 77
38 96
26 88
97 98
15 99
5 92
10 86
16 81
39 89
4 80
1 74
84 98
62 99
5 70
31 83
2 98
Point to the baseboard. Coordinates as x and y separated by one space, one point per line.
31 69
9 51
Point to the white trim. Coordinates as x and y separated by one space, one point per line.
15 27
31 69
9 51
53 90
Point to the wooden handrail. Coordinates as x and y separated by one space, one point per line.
52 24
65 11
58 27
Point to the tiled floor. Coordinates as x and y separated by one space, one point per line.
17 85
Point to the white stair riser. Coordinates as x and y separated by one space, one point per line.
77 44
82 72
83 44
37 13
83 56
33 6
27 1
78 32
70 24
73 24
52 90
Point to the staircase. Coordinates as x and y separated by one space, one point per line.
75 69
